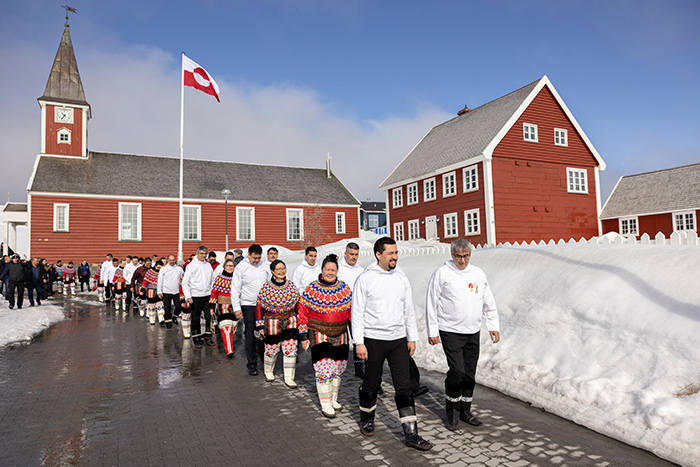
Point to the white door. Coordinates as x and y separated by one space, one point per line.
431 228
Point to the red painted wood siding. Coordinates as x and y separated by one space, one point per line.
532 202
651 224
94 229
76 128
440 206
609 225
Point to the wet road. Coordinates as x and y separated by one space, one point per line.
106 388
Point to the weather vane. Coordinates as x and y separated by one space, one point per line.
72 10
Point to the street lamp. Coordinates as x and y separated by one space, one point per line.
226 192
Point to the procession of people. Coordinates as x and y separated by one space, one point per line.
322 309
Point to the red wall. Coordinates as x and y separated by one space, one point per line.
76 128
651 224
93 225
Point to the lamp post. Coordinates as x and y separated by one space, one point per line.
226 192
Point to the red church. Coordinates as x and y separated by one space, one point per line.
84 204
519 168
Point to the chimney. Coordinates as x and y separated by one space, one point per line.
328 166
464 110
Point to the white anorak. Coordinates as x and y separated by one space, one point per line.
196 282
347 273
169 279
305 274
129 269
382 306
104 272
246 283
456 301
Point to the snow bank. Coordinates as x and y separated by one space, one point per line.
21 325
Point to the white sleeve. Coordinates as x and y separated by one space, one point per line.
159 287
409 313
186 283
432 299
298 279
236 285
358 313
489 310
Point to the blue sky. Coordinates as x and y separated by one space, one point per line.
363 80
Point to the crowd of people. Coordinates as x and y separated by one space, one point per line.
322 308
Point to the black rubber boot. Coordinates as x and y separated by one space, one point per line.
465 413
407 415
452 411
368 407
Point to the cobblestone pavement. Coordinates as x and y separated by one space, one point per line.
106 388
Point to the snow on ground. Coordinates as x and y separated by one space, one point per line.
603 335
21 325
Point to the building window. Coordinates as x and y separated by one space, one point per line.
429 189
245 224
413 193
340 222
373 221
530 132
577 180
397 197
451 225
472 226
628 226
561 137
449 184
64 136
684 220
470 178
60 217
191 222
413 229
130 221
295 225
398 231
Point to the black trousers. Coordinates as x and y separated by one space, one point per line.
168 300
396 353
462 352
198 305
15 290
109 292
30 292
253 347
84 282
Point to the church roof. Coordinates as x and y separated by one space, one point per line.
64 85
131 175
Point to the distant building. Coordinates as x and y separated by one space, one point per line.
83 204
663 201
519 168
372 215
13 215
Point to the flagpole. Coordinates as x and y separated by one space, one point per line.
182 151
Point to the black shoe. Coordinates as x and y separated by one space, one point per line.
175 320
421 391
230 355
253 371
197 342
38 303
470 418
11 307
415 441
367 427
169 326
209 341
162 324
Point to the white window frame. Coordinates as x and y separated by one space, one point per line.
472 214
340 223
138 220
240 209
571 185
625 224
375 218
56 226
449 184
70 110
427 192
530 132
397 197
412 191
413 229
199 222
467 183
684 225
561 137
301 225
450 225
64 131
398 231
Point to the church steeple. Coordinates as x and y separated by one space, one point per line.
64 83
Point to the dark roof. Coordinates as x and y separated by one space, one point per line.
155 176
373 206
666 190
64 85
15 207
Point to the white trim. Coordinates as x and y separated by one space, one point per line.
425 191
252 223
532 127
64 131
474 167
628 218
199 223
467 214
642 214
63 107
43 127
301 225
399 227
29 226
55 218
57 103
138 220
342 216
33 174
438 171
456 224
388 212
572 189
566 137
596 175
84 131
489 214
397 201
408 193
684 213
453 174
416 223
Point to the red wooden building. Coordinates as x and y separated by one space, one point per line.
519 168
663 201
84 204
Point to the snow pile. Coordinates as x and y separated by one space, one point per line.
21 325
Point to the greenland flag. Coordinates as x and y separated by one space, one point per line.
197 77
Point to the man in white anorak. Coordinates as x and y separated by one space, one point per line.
348 272
196 285
169 290
384 328
104 277
129 269
458 297
308 271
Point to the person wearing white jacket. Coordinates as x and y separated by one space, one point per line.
196 286
384 328
348 272
458 296
105 278
169 290
308 271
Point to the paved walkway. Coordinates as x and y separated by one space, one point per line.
105 388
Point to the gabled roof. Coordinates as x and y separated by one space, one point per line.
373 206
473 134
131 175
666 190
64 85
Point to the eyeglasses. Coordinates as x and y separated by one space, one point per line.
461 256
